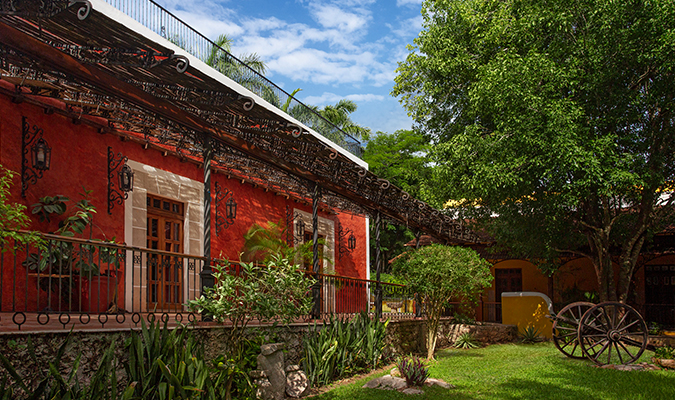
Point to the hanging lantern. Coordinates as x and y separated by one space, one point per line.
41 153
231 208
351 242
300 229
126 178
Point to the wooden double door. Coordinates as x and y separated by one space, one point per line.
165 272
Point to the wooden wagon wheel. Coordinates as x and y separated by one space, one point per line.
611 332
565 328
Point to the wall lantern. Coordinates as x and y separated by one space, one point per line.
35 155
300 229
42 155
125 181
126 178
231 208
343 234
351 242
224 221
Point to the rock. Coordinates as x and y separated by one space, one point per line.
395 372
263 389
271 360
412 390
292 368
267 349
296 383
372 384
392 382
438 382
257 374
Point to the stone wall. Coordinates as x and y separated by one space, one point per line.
408 336
403 337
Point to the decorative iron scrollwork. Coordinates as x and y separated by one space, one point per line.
224 221
248 103
126 179
44 8
34 148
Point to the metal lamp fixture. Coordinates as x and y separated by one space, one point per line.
36 155
231 208
343 234
224 221
300 229
126 178
42 155
351 242
125 182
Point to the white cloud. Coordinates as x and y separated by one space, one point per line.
332 16
332 98
401 3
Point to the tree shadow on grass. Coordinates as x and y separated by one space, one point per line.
574 381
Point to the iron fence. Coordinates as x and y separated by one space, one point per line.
161 21
65 282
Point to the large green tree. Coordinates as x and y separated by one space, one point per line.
553 122
401 158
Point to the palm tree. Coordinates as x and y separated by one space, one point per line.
251 78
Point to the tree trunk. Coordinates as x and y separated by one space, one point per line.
433 317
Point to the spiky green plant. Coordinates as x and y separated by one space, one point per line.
530 335
466 340
413 370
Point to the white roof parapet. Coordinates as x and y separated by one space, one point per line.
113 13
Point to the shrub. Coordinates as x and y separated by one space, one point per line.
413 370
665 352
530 335
342 347
466 340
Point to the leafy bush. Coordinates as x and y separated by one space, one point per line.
655 328
413 370
466 340
272 292
342 347
530 335
665 352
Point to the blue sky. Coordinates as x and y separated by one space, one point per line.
332 49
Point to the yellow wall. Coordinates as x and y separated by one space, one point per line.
528 309
533 279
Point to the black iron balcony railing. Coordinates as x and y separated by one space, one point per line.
69 282
161 21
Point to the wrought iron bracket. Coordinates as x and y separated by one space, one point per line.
43 9
115 194
29 136
344 234
222 222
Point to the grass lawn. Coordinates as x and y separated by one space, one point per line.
524 372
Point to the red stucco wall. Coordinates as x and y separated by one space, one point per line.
79 161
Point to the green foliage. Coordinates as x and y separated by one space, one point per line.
343 347
530 335
413 370
166 364
52 384
272 292
466 340
12 216
162 364
665 352
263 243
554 116
655 328
439 273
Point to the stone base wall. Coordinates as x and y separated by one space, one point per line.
403 337
408 336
